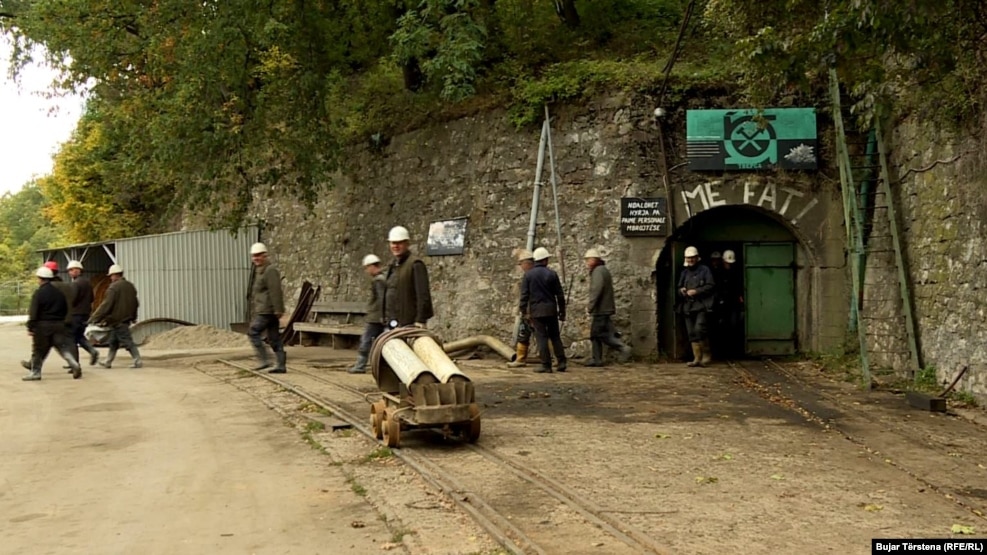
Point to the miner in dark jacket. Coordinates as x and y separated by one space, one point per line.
69 292
266 301
46 325
117 312
696 291
601 309
407 297
375 314
80 308
543 299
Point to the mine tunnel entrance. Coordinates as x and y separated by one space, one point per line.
766 251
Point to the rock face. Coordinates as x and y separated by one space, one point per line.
482 169
942 213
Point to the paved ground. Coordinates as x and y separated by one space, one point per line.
160 461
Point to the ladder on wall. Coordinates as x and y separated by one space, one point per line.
874 246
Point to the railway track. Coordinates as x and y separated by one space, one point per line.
523 509
890 453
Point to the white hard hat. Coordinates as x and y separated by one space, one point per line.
541 253
691 251
45 273
115 269
729 256
370 259
258 248
524 254
74 264
398 234
592 253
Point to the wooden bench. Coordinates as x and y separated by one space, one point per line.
341 321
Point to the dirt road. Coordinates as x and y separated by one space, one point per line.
162 461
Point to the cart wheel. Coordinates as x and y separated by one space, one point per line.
377 419
392 429
473 426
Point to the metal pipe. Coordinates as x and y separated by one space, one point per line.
535 196
495 344
435 357
555 193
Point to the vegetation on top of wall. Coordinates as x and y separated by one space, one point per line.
926 59
212 105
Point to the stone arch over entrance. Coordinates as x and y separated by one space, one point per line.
779 269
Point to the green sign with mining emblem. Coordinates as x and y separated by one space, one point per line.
729 140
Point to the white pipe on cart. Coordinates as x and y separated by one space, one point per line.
405 363
437 360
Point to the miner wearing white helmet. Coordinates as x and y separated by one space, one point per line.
80 309
408 297
117 312
266 301
695 301
46 325
525 261
731 287
375 315
601 309
543 298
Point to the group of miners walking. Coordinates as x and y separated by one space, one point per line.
60 312
710 299
400 296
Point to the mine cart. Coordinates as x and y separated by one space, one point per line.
420 387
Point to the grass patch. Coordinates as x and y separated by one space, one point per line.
312 426
358 489
380 453
398 535
964 398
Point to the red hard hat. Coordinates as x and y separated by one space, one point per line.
52 265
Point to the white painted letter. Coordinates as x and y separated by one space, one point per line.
768 195
697 192
788 199
805 210
748 193
711 196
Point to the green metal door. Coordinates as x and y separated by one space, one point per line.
769 298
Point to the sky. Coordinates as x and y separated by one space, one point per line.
31 126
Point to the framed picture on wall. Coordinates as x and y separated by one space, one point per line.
447 237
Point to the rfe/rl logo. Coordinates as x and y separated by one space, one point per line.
748 144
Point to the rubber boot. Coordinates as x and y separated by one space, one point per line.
707 352
76 368
93 356
625 354
136 354
282 361
522 357
360 366
26 364
697 355
108 363
597 360
34 376
262 356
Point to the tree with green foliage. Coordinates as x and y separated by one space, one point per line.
24 230
215 105
925 56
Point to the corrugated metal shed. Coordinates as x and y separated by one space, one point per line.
197 276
